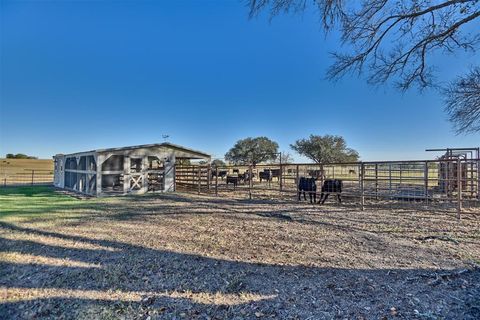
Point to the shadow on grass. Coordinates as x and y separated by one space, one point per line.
28 191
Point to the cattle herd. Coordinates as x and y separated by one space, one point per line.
305 184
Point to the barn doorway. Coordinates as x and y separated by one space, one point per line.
156 174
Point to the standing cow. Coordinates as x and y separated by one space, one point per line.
233 180
266 174
331 186
221 173
307 185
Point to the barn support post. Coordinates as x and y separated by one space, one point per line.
425 177
99 160
459 187
250 181
145 174
362 191
216 181
126 174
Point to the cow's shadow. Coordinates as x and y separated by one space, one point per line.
146 282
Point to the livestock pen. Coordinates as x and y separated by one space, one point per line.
450 184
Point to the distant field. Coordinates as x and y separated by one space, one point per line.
19 171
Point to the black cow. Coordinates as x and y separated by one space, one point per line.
245 177
221 173
233 180
331 186
307 185
265 175
275 173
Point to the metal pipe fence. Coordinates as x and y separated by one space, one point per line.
451 185
28 177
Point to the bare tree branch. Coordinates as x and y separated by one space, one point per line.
462 99
391 40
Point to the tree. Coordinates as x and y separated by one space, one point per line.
286 158
218 163
183 162
463 102
19 156
325 149
252 151
394 40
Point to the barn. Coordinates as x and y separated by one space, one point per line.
127 170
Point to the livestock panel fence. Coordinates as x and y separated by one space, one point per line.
27 177
451 185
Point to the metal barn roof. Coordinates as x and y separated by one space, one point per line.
193 154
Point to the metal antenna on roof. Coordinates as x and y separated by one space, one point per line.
165 137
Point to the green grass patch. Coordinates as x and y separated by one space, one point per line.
29 201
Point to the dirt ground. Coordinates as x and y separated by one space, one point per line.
183 256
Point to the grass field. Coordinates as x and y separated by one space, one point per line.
19 171
181 256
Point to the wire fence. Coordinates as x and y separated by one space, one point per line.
448 185
28 177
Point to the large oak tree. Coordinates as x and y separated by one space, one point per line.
252 151
325 149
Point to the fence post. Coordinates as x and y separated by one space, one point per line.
390 179
459 188
425 176
322 175
250 181
199 179
281 176
362 198
33 173
297 181
174 178
376 181
216 181
478 177
209 175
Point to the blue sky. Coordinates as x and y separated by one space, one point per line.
81 75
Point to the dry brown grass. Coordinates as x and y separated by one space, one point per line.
19 171
187 256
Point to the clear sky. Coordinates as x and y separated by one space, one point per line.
80 75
